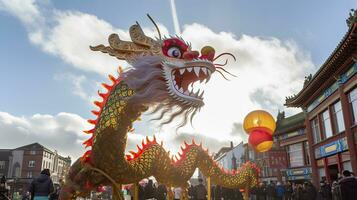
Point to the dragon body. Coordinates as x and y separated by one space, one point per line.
161 79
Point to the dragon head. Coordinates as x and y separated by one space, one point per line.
164 70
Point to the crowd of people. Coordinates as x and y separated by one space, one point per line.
40 188
159 191
343 189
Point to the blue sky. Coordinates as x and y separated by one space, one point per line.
36 80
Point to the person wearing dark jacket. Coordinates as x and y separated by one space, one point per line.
161 192
4 192
325 191
308 192
201 190
348 186
149 190
42 186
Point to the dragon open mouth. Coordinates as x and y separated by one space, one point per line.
182 78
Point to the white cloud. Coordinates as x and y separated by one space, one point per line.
62 132
25 10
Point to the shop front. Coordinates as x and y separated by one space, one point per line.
332 159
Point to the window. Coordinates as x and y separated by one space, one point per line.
295 155
315 130
326 124
352 97
307 153
338 117
29 174
2 164
31 163
33 152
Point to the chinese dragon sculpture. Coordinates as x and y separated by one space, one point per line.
162 71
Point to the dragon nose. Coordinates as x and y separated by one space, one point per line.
207 52
190 55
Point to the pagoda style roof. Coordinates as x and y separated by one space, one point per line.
341 53
288 124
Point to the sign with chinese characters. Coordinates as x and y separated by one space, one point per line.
277 159
331 148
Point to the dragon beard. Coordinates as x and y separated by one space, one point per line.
146 78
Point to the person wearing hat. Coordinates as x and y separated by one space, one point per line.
42 186
348 186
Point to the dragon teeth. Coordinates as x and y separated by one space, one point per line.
181 90
187 93
197 71
189 69
182 71
204 69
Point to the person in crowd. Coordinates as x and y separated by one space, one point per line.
218 192
201 190
308 192
42 186
177 193
161 192
271 191
149 190
262 191
280 191
4 192
348 186
288 191
192 192
298 192
325 190
141 191
336 192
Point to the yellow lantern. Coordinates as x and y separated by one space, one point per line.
259 120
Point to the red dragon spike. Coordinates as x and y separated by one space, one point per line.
92 121
86 156
95 112
89 131
154 140
120 70
133 153
182 149
112 78
193 142
88 142
128 157
108 87
143 143
186 145
138 147
147 140
99 104
103 95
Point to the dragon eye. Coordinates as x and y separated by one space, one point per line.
174 52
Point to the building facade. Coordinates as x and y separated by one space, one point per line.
290 135
22 164
329 101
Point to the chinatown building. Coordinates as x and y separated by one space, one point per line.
290 135
329 102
